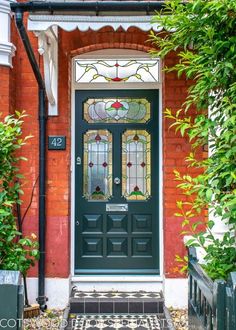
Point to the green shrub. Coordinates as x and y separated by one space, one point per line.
203 37
16 252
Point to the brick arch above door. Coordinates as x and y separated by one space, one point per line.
111 45
78 42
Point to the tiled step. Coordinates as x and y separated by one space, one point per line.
116 302
117 321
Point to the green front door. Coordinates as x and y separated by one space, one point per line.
116 182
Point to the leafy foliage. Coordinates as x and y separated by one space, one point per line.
16 252
203 36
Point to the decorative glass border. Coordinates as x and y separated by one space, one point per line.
114 110
116 71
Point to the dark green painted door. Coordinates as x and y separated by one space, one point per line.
116 182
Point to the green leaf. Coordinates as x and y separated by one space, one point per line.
16 252
209 194
202 239
196 224
210 224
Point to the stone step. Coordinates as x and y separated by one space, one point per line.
113 302
117 321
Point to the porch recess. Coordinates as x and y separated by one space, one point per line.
43 20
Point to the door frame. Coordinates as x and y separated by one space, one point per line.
109 54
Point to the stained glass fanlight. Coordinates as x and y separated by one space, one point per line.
115 71
136 165
97 183
117 110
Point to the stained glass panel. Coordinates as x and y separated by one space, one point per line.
97 183
136 165
114 110
114 71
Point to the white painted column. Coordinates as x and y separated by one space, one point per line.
220 227
7 49
176 292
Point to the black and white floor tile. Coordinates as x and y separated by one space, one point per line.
116 295
116 322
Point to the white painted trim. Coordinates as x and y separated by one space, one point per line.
176 292
124 86
7 49
120 53
57 291
95 23
117 278
5 6
131 286
48 48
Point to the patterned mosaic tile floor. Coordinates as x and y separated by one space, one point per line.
117 322
116 295
114 302
116 310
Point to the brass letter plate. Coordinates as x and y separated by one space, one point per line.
117 207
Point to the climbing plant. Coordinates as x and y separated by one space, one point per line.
16 252
202 33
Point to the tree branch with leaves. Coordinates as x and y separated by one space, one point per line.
16 252
202 33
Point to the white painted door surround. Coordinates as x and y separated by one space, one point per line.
114 282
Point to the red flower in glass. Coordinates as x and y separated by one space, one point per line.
143 164
98 189
136 188
136 137
117 105
117 79
104 164
90 164
98 138
129 164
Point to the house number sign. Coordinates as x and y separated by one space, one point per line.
56 142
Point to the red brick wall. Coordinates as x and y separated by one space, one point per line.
4 90
58 162
175 149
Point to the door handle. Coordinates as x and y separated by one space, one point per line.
117 180
77 223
